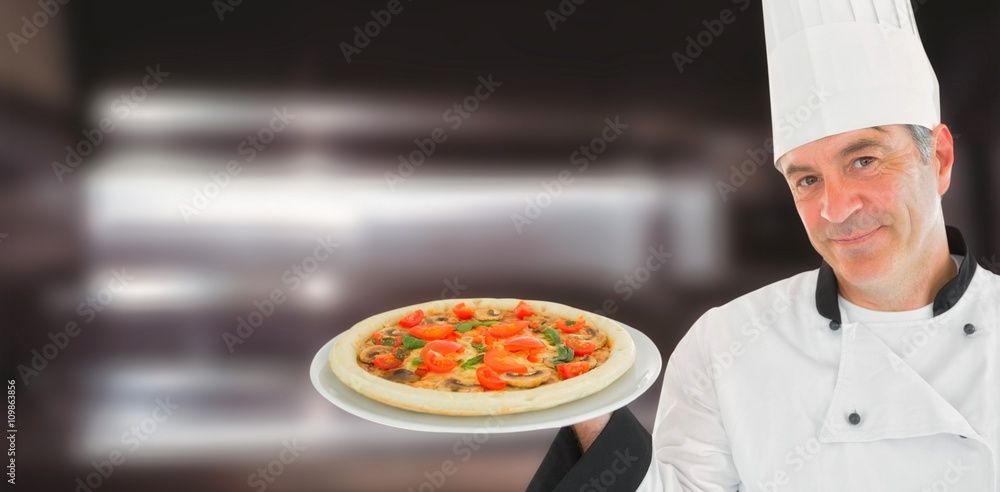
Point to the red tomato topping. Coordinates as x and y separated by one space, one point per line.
431 332
443 347
412 319
506 330
523 343
489 378
571 326
462 311
439 363
523 310
387 361
580 347
497 359
573 369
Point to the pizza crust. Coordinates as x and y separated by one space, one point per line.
343 362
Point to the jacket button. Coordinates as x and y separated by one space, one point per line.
854 418
970 329
834 325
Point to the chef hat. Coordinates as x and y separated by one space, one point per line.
841 65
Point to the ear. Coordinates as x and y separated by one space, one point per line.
943 156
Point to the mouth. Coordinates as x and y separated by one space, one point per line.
857 238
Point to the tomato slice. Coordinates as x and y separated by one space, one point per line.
438 363
497 359
387 361
580 347
523 310
571 327
443 347
431 332
507 330
573 369
489 378
412 319
462 311
523 343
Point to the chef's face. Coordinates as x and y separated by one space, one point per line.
869 201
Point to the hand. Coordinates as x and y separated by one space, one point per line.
588 430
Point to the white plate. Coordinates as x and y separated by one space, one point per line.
621 392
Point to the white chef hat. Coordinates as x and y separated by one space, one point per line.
841 65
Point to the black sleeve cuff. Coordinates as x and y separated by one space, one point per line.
617 460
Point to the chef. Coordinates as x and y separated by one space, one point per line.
879 371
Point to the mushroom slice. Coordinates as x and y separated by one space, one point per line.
369 354
589 333
526 380
392 331
402 376
543 321
452 384
440 319
491 314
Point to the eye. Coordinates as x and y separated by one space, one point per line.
806 181
862 162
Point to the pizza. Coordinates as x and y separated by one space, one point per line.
481 356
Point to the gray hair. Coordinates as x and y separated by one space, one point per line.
924 139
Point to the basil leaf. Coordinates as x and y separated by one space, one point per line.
569 322
473 361
553 336
412 342
464 327
399 354
468 325
565 354
479 347
388 341
417 361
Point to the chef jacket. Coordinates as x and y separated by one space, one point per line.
775 391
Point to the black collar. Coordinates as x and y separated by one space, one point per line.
948 296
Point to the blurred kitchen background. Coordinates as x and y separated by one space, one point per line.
483 215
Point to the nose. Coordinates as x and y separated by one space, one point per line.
839 201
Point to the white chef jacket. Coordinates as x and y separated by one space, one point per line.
775 392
